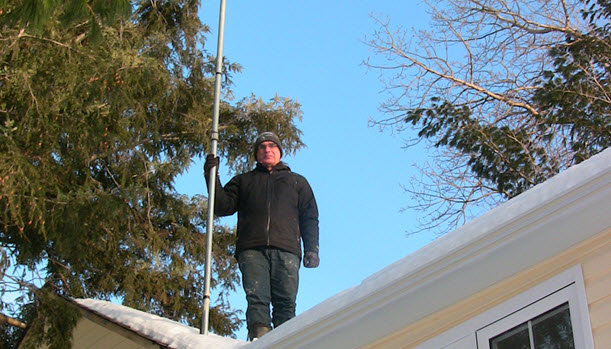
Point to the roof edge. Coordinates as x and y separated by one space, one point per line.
549 210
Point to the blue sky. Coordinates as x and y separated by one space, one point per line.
312 52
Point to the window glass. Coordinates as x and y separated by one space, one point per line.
516 338
550 330
553 329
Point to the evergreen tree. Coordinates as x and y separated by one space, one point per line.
576 93
101 108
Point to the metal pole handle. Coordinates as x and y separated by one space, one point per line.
214 137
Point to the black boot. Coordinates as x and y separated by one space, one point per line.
258 331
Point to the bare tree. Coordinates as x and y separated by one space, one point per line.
466 84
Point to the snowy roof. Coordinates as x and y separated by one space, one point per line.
160 330
538 224
535 225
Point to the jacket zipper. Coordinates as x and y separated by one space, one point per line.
269 207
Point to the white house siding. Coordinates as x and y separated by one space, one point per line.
593 254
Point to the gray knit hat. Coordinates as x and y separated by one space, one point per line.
264 137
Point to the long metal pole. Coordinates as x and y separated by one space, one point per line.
214 138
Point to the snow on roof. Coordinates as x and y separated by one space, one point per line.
160 330
396 287
397 282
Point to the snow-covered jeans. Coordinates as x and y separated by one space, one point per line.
269 276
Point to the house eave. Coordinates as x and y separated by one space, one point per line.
540 223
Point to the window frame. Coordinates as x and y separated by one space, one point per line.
565 287
464 336
528 313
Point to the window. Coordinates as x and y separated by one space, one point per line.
551 322
551 329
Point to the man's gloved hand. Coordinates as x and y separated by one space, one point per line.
311 260
211 161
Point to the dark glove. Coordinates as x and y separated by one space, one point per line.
311 260
211 161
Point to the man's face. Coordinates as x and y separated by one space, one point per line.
268 154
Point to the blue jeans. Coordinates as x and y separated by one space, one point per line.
269 276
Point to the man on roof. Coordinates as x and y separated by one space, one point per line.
276 212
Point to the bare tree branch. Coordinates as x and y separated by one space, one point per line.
11 321
488 57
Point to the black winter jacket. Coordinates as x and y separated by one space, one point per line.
275 209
